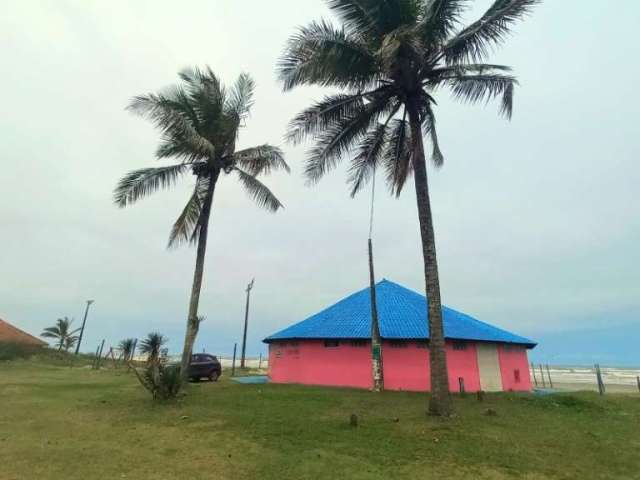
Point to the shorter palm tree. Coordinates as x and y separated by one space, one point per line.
151 346
126 346
62 332
70 342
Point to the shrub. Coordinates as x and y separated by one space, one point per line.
17 351
14 351
162 381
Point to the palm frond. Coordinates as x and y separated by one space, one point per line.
429 127
438 75
372 19
484 87
440 18
357 16
336 138
152 344
260 160
363 165
187 226
320 54
178 121
258 191
126 347
51 332
320 115
140 183
398 154
240 98
473 43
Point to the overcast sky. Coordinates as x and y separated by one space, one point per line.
537 219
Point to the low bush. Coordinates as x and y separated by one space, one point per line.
162 381
15 351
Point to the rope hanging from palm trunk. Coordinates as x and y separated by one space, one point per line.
373 196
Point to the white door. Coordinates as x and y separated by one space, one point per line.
489 367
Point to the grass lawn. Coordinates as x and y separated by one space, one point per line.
75 423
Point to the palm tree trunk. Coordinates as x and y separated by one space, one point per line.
440 401
192 320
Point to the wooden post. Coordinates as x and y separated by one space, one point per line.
99 358
638 380
113 358
549 375
377 370
246 322
260 361
533 370
95 358
480 395
601 388
233 363
461 384
544 383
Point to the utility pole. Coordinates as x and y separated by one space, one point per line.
84 321
246 321
376 342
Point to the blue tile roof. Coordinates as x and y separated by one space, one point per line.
402 314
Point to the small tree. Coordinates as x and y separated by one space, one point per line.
62 333
162 381
126 346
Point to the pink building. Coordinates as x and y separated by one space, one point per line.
333 347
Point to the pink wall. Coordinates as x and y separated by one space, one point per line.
408 368
513 358
405 368
310 362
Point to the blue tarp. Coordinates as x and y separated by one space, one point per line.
251 379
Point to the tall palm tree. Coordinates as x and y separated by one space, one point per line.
199 120
62 333
389 59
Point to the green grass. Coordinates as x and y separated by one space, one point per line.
77 423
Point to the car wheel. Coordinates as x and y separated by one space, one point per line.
213 376
196 379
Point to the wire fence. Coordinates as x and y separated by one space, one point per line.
596 378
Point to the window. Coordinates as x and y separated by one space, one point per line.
459 346
398 344
422 344
293 343
331 343
516 376
359 343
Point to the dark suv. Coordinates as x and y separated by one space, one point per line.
204 365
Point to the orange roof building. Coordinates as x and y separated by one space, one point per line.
11 334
